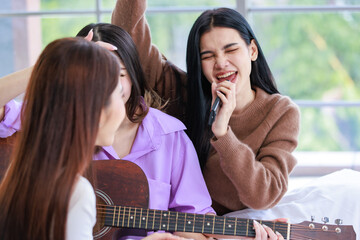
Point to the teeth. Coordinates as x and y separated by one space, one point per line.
225 75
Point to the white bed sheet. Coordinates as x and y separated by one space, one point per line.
336 196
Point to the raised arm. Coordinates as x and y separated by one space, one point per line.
162 76
130 15
13 85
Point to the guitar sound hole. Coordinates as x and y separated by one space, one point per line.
100 229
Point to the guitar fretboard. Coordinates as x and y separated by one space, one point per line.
131 217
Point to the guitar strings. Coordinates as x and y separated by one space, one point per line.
294 236
190 217
171 222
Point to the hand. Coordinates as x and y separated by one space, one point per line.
226 92
108 46
163 236
263 232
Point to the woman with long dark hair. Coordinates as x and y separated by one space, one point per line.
250 143
152 139
72 103
246 153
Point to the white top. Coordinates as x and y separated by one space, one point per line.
82 211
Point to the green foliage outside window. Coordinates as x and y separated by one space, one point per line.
314 57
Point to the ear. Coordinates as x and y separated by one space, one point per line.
253 50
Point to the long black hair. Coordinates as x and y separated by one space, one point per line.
198 87
126 50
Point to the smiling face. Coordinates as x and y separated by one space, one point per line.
226 56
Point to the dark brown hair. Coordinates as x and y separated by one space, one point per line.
70 84
136 109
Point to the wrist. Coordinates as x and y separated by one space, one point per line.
221 133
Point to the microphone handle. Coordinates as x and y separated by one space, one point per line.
213 111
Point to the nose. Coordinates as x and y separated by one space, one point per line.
221 62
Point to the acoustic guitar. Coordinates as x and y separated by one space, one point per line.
122 192
122 200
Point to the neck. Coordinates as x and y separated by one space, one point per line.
244 99
125 137
126 125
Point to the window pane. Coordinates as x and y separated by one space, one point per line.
25 37
218 3
46 5
57 27
272 3
169 32
313 56
19 5
67 5
18 34
329 129
106 18
109 4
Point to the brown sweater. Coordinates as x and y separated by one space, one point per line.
249 166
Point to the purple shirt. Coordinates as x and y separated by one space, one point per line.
168 158
165 154
11 121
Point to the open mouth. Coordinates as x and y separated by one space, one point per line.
229 76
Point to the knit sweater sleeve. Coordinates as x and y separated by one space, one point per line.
261 178
130 15
163 77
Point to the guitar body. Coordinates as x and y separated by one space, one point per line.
127 185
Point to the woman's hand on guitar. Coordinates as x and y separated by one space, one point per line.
263 232
108 46
163 236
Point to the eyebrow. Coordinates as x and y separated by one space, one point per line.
225 47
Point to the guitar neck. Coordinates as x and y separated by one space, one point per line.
149 219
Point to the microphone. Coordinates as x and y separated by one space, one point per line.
213 111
